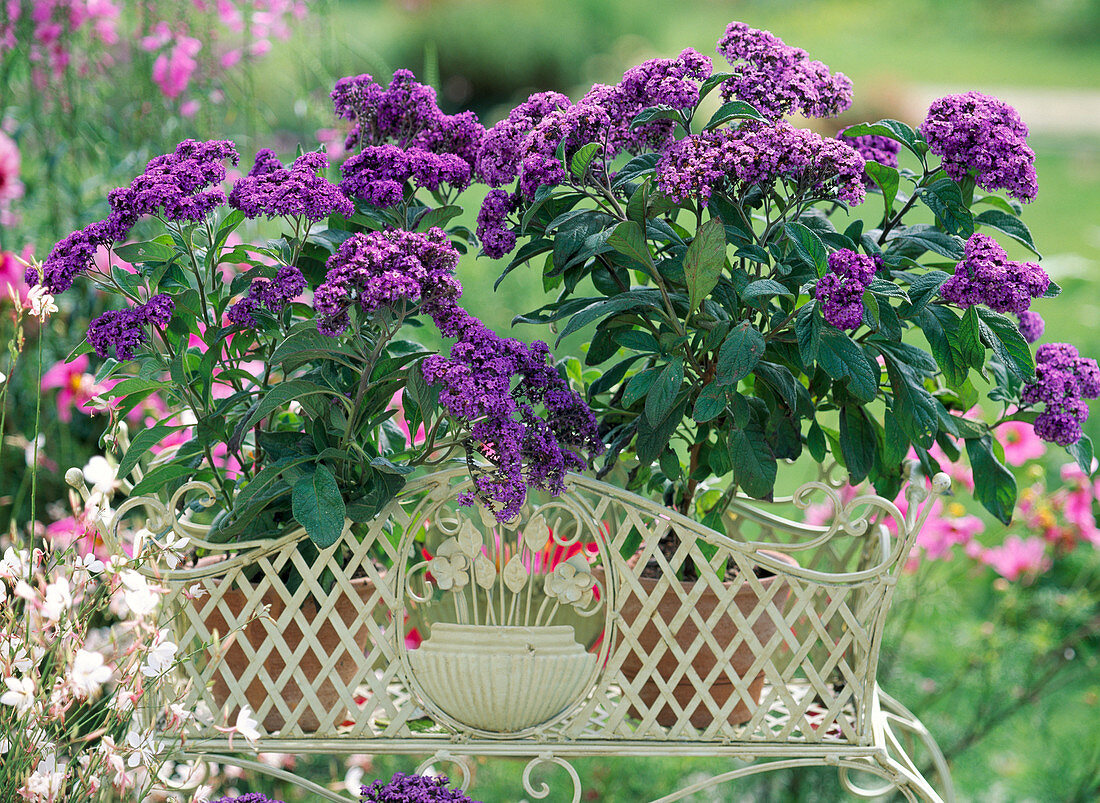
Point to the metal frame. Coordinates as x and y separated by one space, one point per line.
820 704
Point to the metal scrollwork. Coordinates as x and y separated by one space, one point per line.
543 789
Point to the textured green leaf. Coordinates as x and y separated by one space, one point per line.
891 129
739 354
994 485
141 443
703 262
945 199
1001 334
734 110
583 158
160 476
318 506
808 246
710 403
754 465
145 252
764 288
843 359
808 328
628 239
914 406
662 394
438 217
1082 452
888 180
1010 225
858 443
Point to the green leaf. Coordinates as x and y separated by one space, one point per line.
754 465
945 199
994 485
670 464
656 113
141 443
1001 334
583 158
941 329
1082 452
638 386
703 262
928 239
628 239
808 328
160 476
891 129
318 506
888 180
438 217
662 394
808 246
644 298
653 441
637 206
146 252
858 443
915 408
734 110
923 289
764 288
739 354
843 359
266 477
970 341
1010 225
710 403
815 442
279 395
712 81
895 441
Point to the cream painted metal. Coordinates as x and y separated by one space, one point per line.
476 639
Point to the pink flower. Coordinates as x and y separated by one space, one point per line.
1020 442
11 272
403 423
940 533
11 187
189 108
1016 557
75 386
172 71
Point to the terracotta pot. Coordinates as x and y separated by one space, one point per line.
235 660
724 632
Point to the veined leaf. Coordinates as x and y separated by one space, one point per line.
703 262
739 354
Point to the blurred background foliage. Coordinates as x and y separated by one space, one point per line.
1004 674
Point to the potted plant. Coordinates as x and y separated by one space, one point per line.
748 310
290 399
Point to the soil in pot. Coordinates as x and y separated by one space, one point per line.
260 631
724 633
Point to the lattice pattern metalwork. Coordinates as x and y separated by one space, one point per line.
769 653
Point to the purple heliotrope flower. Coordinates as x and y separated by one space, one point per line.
385 268
298 191
841 289
493 385
497 239
873 148
977 134
182 186
273 295
251 797
119 333
1031 325
402 788
378 174
1063 378
732 160
500 153
778 79
986 275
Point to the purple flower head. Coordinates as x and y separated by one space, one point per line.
384 269
494 385
273 190
251 797
873 148
778 79
986 275
497 239
1063 378
733 160
1031 325
841 289
119 333
981 135
178 186
377 175
501 151
288 284
402 788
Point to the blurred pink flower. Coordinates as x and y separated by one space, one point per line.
11 273
1020 442
942 532
189 108
403 423
1016 557
74 384
172 71
822 513
11 187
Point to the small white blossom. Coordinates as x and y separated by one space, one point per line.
246 725
20 693
161 657
59 598
142 749
89 673
89 563
46 782
33 449
101 475
140 598
173 549
15 564
41 302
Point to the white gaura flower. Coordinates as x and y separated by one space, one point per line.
246 725
59 598
20 694
33 449
140 598
143 751
41 303
101 475
46 782
89 563
15 564
173 549
161 657
88 674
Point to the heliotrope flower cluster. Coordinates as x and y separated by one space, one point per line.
986 275
406 114
492 224
1031 325
119 333
251 797
1063 378
378 174
298 191
779 79
273 295
182 186
979 134
873 148
500 153
732 160
402 788
494 385
841 289
384 268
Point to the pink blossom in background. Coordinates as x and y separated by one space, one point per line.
189 108
74 384
1016 557
1080 494
822 514
942 532
172 71
333 141
403 423
11 273
1020 442
11 188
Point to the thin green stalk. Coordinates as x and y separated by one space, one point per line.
37 423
